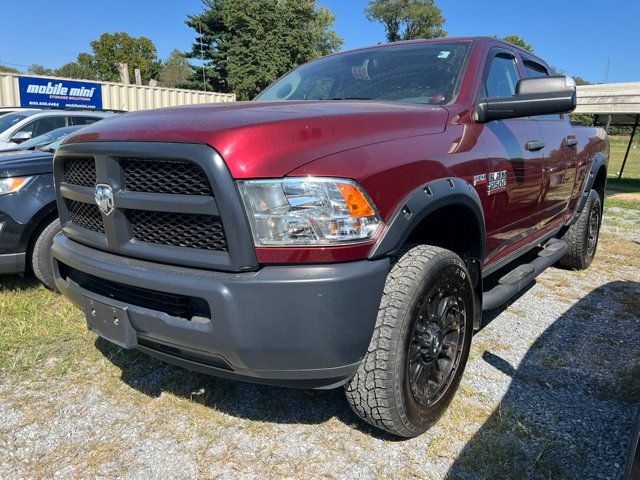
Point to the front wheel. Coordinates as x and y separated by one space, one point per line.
420 343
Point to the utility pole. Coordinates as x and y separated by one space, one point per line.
606 72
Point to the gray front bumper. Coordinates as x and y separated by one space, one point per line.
305 326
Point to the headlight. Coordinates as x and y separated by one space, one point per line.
308 211
13 184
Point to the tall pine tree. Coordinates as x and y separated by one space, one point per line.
247 44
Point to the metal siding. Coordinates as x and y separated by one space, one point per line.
609 98
118 96
9 90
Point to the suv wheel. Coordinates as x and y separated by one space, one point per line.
583 235
420 343
41 254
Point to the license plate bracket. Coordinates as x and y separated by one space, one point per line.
110 322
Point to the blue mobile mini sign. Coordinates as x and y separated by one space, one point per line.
55 93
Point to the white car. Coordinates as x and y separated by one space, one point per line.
21 125
6 110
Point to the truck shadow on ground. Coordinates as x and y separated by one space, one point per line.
570 407
538 394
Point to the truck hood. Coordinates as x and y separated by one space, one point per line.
270 139
14 164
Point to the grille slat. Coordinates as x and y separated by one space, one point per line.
85 215
203 232
176 177
80 171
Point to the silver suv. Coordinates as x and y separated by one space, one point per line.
19 126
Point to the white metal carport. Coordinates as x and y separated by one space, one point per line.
613 103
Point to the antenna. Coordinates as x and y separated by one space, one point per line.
204 75
606 72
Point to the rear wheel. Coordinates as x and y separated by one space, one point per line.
583 235
41 255
420 343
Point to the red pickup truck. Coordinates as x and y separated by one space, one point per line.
345 228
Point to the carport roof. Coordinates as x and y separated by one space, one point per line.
620 100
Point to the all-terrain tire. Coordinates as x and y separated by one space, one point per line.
41 262
381 392
582 236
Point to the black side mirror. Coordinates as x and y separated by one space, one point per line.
534 96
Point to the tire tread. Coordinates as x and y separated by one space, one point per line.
370 392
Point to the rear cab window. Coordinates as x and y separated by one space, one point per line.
83 120
534 69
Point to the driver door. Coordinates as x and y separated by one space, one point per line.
514 163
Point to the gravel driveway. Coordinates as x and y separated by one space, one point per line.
550 391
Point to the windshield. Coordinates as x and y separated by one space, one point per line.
52 147
46 138
10 119
414 73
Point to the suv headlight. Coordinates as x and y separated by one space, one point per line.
308 211
13 184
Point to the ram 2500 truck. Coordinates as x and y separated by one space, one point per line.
345 228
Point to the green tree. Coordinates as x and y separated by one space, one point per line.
109 50
36 69
175 71
517 40
407 19
5 69
247 44
83 68
113 48
581 81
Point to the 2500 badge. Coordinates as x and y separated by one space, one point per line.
497 182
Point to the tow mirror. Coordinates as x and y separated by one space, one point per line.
21 137
534 96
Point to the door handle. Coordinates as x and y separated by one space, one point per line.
571 140
534 145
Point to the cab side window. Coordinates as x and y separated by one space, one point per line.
44 125
532 70
83 120
502 76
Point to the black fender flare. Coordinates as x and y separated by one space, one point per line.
599 160
424 201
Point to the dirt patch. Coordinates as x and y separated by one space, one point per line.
625 197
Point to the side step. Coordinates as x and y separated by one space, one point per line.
523 274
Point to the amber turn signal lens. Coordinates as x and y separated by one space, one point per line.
356 202
12 184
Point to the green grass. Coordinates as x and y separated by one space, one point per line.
39 327
618 148
623 185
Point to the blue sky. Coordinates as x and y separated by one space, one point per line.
578 36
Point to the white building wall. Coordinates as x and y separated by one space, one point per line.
118 96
